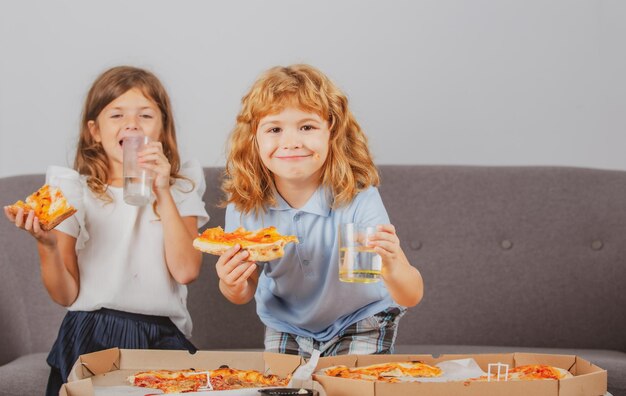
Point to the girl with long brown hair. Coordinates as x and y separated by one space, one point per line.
121 270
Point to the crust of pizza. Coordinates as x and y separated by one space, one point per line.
260 252
265 244
49 204
565 373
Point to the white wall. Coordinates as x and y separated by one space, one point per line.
505 82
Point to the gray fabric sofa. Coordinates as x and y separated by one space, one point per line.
513 259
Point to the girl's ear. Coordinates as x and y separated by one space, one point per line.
94 130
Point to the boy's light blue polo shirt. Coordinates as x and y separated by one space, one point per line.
300 293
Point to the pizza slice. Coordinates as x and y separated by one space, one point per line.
224 378
387 372
170 381
527 373
345 372
50 206
538 371
409 369
263 245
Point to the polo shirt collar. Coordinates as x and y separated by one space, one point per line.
318 204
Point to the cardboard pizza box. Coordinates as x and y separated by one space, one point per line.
587 380
111 367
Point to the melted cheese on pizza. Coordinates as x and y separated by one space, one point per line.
47 202
177 381
536 371
170 381
527 373
245 238
388 372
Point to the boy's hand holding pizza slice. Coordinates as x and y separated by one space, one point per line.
262 245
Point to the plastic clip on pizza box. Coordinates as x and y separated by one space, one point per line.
112 367
586 380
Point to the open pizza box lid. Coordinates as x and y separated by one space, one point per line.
587 380
112 367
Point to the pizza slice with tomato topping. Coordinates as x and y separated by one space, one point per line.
538 371
170 381
263 245
387 372
50 206
527 373
224 378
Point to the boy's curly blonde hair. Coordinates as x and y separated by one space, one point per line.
349 168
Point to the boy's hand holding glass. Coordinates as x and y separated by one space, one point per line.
386 243
368 253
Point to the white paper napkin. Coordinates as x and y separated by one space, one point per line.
303 376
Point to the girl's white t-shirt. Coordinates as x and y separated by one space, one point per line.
120 247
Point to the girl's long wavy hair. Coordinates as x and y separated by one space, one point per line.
91 160
349 167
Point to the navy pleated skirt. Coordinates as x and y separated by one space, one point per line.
85 332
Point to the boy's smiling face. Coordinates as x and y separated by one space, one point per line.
293 144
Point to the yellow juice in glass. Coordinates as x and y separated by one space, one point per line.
358 263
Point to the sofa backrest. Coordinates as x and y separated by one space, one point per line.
510 256
513 256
